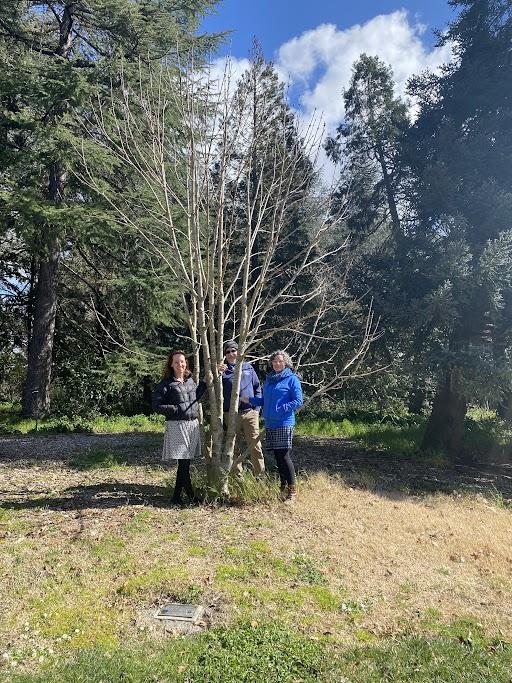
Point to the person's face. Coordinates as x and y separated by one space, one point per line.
278 363
231 354
179 364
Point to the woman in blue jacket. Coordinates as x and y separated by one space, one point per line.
282 396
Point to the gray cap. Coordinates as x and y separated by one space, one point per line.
230 344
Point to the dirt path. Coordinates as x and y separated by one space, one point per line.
61 447
376 470
384 471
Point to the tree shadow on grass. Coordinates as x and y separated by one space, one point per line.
100 496
392 474
107 495
389 474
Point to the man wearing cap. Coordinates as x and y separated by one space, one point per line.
247 419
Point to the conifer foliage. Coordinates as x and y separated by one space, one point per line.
57 55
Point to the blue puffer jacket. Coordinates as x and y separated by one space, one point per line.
282 396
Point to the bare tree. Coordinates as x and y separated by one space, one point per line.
222 186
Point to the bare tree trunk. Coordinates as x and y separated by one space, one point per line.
29 317
504 408
498 336
445 428
36 392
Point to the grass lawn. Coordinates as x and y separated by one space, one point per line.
351 584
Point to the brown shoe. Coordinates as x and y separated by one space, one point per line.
292 492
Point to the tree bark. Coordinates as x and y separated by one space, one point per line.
417 401
445 428
36 392
504 408
395 219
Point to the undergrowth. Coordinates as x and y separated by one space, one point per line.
486 435
11 422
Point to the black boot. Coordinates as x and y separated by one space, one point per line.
186 480
176 496
180 483
189 490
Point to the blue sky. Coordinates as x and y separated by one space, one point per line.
314 43
274 22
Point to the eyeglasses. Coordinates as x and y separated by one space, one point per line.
231 350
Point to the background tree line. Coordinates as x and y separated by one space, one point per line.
87 311
432 220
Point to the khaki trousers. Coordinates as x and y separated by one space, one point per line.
248 426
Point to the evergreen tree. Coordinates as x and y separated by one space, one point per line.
370 139
57 56
461 155
15 273
375 190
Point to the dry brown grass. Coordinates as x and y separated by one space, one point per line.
78 569
406 555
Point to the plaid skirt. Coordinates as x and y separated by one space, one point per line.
181 440
280 437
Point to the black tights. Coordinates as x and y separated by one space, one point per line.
285 466
183 481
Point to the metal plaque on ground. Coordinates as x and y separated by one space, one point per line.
179 612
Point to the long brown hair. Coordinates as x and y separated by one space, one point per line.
168 369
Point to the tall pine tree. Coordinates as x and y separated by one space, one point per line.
58 55
462 158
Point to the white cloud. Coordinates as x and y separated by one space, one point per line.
228 71
320 60
317 65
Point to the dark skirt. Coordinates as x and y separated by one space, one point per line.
278 437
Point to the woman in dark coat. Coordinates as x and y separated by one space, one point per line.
176 397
